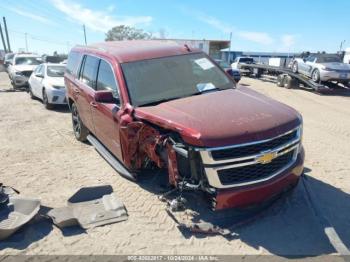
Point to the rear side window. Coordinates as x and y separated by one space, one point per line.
106 79
89 71
73 63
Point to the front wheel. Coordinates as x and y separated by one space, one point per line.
79 129
46 101
315 76
31 92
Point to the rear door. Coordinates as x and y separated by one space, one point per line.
85 90
104 115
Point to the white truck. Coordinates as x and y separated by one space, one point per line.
347 56
242 60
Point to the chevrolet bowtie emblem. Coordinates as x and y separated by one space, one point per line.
267 157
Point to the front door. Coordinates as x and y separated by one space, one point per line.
36 82
105 115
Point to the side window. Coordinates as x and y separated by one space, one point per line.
310 59
73 62
42 70
106 79
37 69
89 71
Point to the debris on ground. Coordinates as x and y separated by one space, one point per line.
90 207
15 211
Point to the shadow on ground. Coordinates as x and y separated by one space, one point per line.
284 227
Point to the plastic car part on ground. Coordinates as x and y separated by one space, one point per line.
90 207
15 211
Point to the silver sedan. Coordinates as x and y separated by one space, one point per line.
322 67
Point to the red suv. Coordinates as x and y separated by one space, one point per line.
155 103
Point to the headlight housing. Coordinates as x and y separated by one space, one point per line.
58 87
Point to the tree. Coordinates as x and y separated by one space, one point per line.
123 32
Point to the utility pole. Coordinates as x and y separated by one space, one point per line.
84 34
3 40
229 49
26 38
7 35
341 45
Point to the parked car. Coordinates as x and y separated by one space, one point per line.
152 104
21 68
8 59
346 58
47 83
322 67
242 60
232 72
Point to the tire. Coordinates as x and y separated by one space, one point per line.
295 67
280 80
315 76
30 92
79 129
290 82
46 101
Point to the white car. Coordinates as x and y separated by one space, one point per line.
47 83
322 67
21 67
242 60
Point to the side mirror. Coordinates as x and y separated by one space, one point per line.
229 71
39 75
104 96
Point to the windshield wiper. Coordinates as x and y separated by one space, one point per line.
160 101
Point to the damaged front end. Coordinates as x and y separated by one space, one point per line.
145 145
235 176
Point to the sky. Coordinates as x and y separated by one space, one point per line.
270 25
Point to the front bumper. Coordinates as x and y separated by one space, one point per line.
56 96
334 76
20 81
259 193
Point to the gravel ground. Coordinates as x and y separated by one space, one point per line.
40 157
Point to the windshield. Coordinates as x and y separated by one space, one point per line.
55 71
156 80
27 61
246 60
328 59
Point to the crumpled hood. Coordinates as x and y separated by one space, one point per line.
22 68
223 118
337 66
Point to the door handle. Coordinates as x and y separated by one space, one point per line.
93 104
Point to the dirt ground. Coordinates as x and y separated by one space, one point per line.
40 157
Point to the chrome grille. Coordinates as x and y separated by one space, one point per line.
250 163
248 150
254 172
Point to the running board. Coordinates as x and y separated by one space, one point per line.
110 158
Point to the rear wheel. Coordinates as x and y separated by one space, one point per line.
79 129
295 67
280 80
315 76
290 82
46 101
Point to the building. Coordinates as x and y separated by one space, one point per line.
211 47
